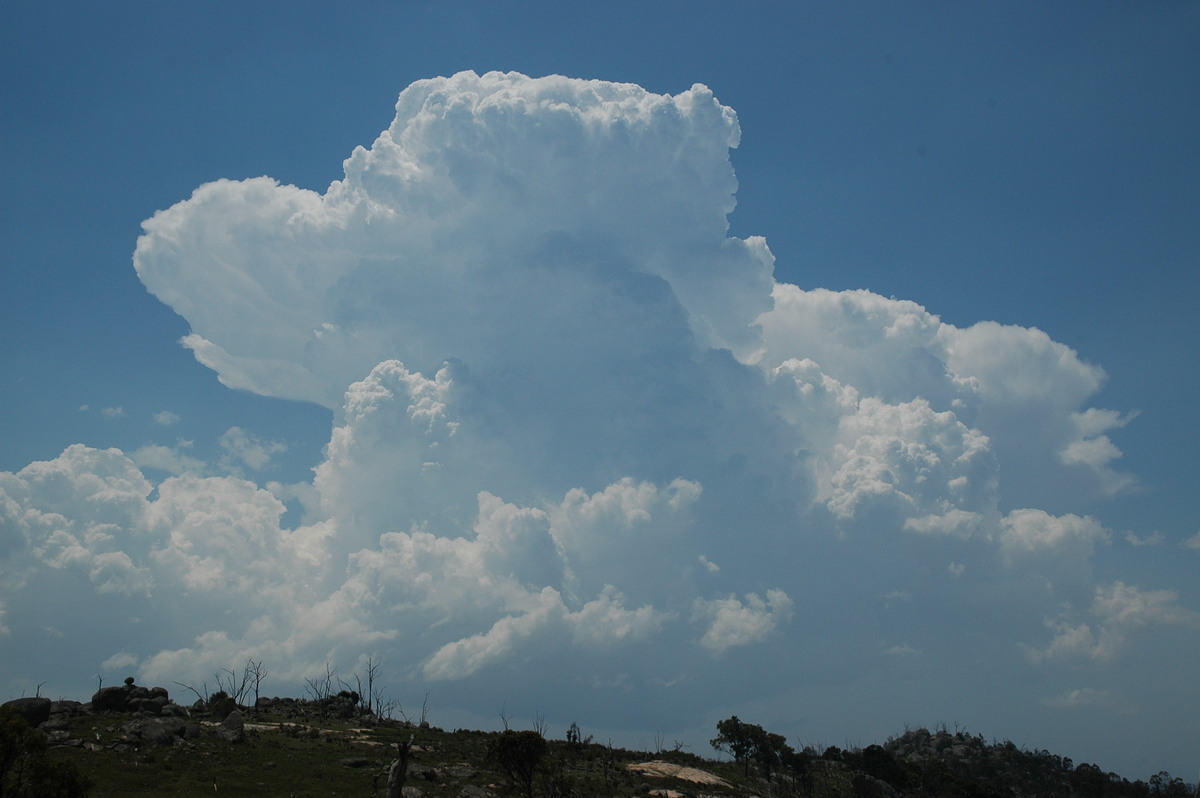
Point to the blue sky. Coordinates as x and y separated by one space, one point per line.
1031 164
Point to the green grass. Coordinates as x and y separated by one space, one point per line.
305 759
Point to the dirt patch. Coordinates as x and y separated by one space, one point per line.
668 770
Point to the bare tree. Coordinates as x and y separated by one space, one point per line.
321 687
228 681
257 674
422 722
374 699
388 708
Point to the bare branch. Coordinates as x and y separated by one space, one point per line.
191 689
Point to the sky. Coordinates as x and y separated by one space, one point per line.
630 364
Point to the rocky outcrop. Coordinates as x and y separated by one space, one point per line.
35 711
109 699
129 697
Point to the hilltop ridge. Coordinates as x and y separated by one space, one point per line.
131 740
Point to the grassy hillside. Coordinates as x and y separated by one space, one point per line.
300 748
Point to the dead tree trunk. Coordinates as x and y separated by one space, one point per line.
398 770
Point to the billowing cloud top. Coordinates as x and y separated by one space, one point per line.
577 428
488 201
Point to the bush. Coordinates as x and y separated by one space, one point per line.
519 754
220 704
26 770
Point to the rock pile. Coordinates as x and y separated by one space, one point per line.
129 697
155 719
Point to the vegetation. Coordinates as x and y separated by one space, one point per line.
335 743
26 769
519 754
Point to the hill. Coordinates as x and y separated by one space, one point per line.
132 741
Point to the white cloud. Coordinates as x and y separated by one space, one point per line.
1191 543
1153 539
219 533
1118 613
739 622
1129 607
167 458
1029 531
166 418
470 175
244 448
122 660
1017 390
1082 697
926 470
604 620
113 412
464 657
68 513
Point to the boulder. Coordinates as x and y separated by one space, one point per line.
162 731
174 711
110 699
62 739
35 711
233 728
473 791
56 723
420 773
66 708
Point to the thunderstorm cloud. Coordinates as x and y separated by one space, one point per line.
580 433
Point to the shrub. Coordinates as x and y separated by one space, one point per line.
25 770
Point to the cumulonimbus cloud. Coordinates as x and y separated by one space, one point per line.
562 393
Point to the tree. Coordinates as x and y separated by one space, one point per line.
257 674
749 742
519 754
736 739
769 750
877 762
575 738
